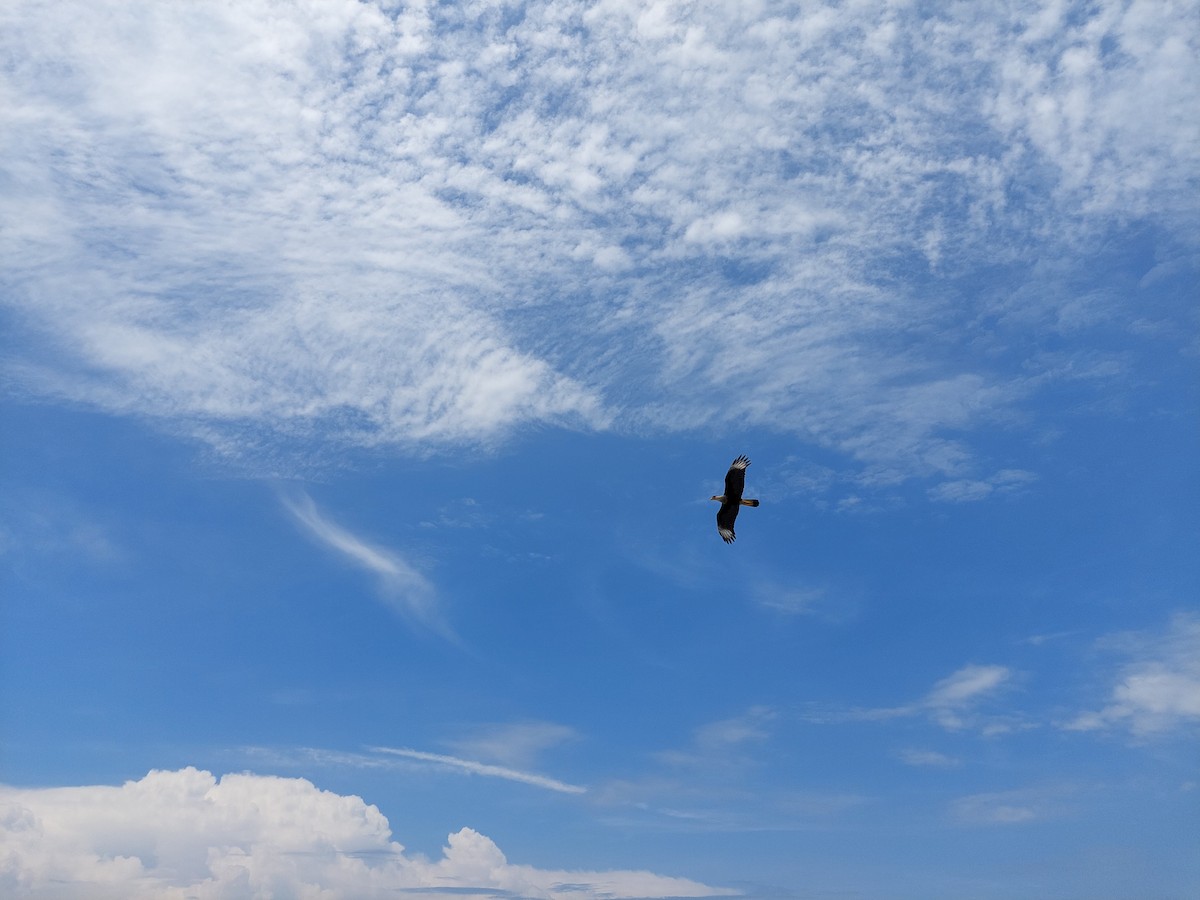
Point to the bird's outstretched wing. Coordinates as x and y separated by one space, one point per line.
735 482
725 519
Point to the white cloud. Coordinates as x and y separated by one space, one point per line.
1037 640
952 703
478 768
432 225
966 685
789 600
186 834
927 758
1015 807
723 745
953 696
752 726
401 585
1160 689
514 744
720 781
1075 91
966 489
36 525
994 809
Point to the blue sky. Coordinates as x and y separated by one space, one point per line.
366 368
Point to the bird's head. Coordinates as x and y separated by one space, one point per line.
720 498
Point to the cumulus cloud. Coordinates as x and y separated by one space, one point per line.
188 834
401 585
1159 689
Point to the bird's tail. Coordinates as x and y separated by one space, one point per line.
749 503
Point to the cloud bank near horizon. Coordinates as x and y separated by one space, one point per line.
187 833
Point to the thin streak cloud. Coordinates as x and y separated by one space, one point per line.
400 585
478 768
952 702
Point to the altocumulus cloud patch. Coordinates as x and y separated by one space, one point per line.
188 834
436 223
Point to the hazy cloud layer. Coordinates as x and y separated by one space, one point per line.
430 223
927 758
188 834
1015 807
721 744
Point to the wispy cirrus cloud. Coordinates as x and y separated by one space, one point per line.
400 585
401 758
723 743
927 759
508 751
38 525
409 227
957 693
790 600
1005 481
516 744
478 768
724 778
952 703
1015 807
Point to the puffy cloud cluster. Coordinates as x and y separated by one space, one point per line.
187 834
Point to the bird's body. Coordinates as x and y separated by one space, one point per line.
731 501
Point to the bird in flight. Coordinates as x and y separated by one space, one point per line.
731 500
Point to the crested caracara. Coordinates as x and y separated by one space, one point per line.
731 500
